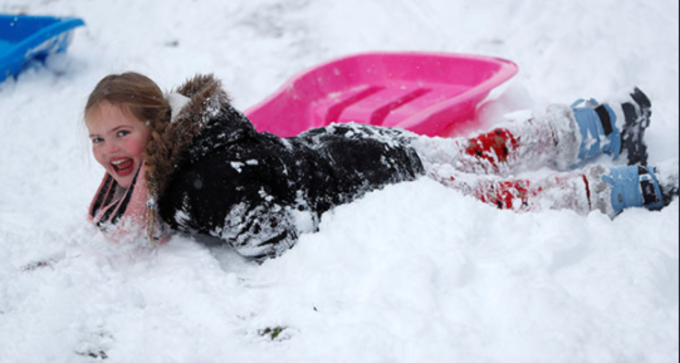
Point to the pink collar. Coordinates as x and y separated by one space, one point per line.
122 217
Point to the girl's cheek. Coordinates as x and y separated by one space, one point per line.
97 156
137 146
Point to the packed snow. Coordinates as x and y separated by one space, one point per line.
415 272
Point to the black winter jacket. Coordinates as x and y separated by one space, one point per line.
258 191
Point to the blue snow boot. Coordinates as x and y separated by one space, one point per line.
601 132
635 186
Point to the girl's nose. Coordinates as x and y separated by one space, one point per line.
111 147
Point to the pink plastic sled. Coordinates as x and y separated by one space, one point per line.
430 94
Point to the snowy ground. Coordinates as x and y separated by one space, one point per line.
412 273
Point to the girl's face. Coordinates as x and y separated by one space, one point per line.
118 141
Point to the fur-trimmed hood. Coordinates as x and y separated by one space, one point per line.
171 136
205 121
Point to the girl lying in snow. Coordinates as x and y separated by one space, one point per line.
189 161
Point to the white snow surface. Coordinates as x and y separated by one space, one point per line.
412 273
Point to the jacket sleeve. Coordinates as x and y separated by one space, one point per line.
236 194
262 231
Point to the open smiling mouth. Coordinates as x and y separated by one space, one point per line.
123 167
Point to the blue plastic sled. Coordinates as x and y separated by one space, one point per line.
25 38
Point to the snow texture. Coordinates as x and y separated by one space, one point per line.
415 272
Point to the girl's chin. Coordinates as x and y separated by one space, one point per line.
124 179
123 182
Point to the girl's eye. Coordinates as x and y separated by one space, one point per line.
123 132
97 140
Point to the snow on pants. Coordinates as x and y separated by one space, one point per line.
483 166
